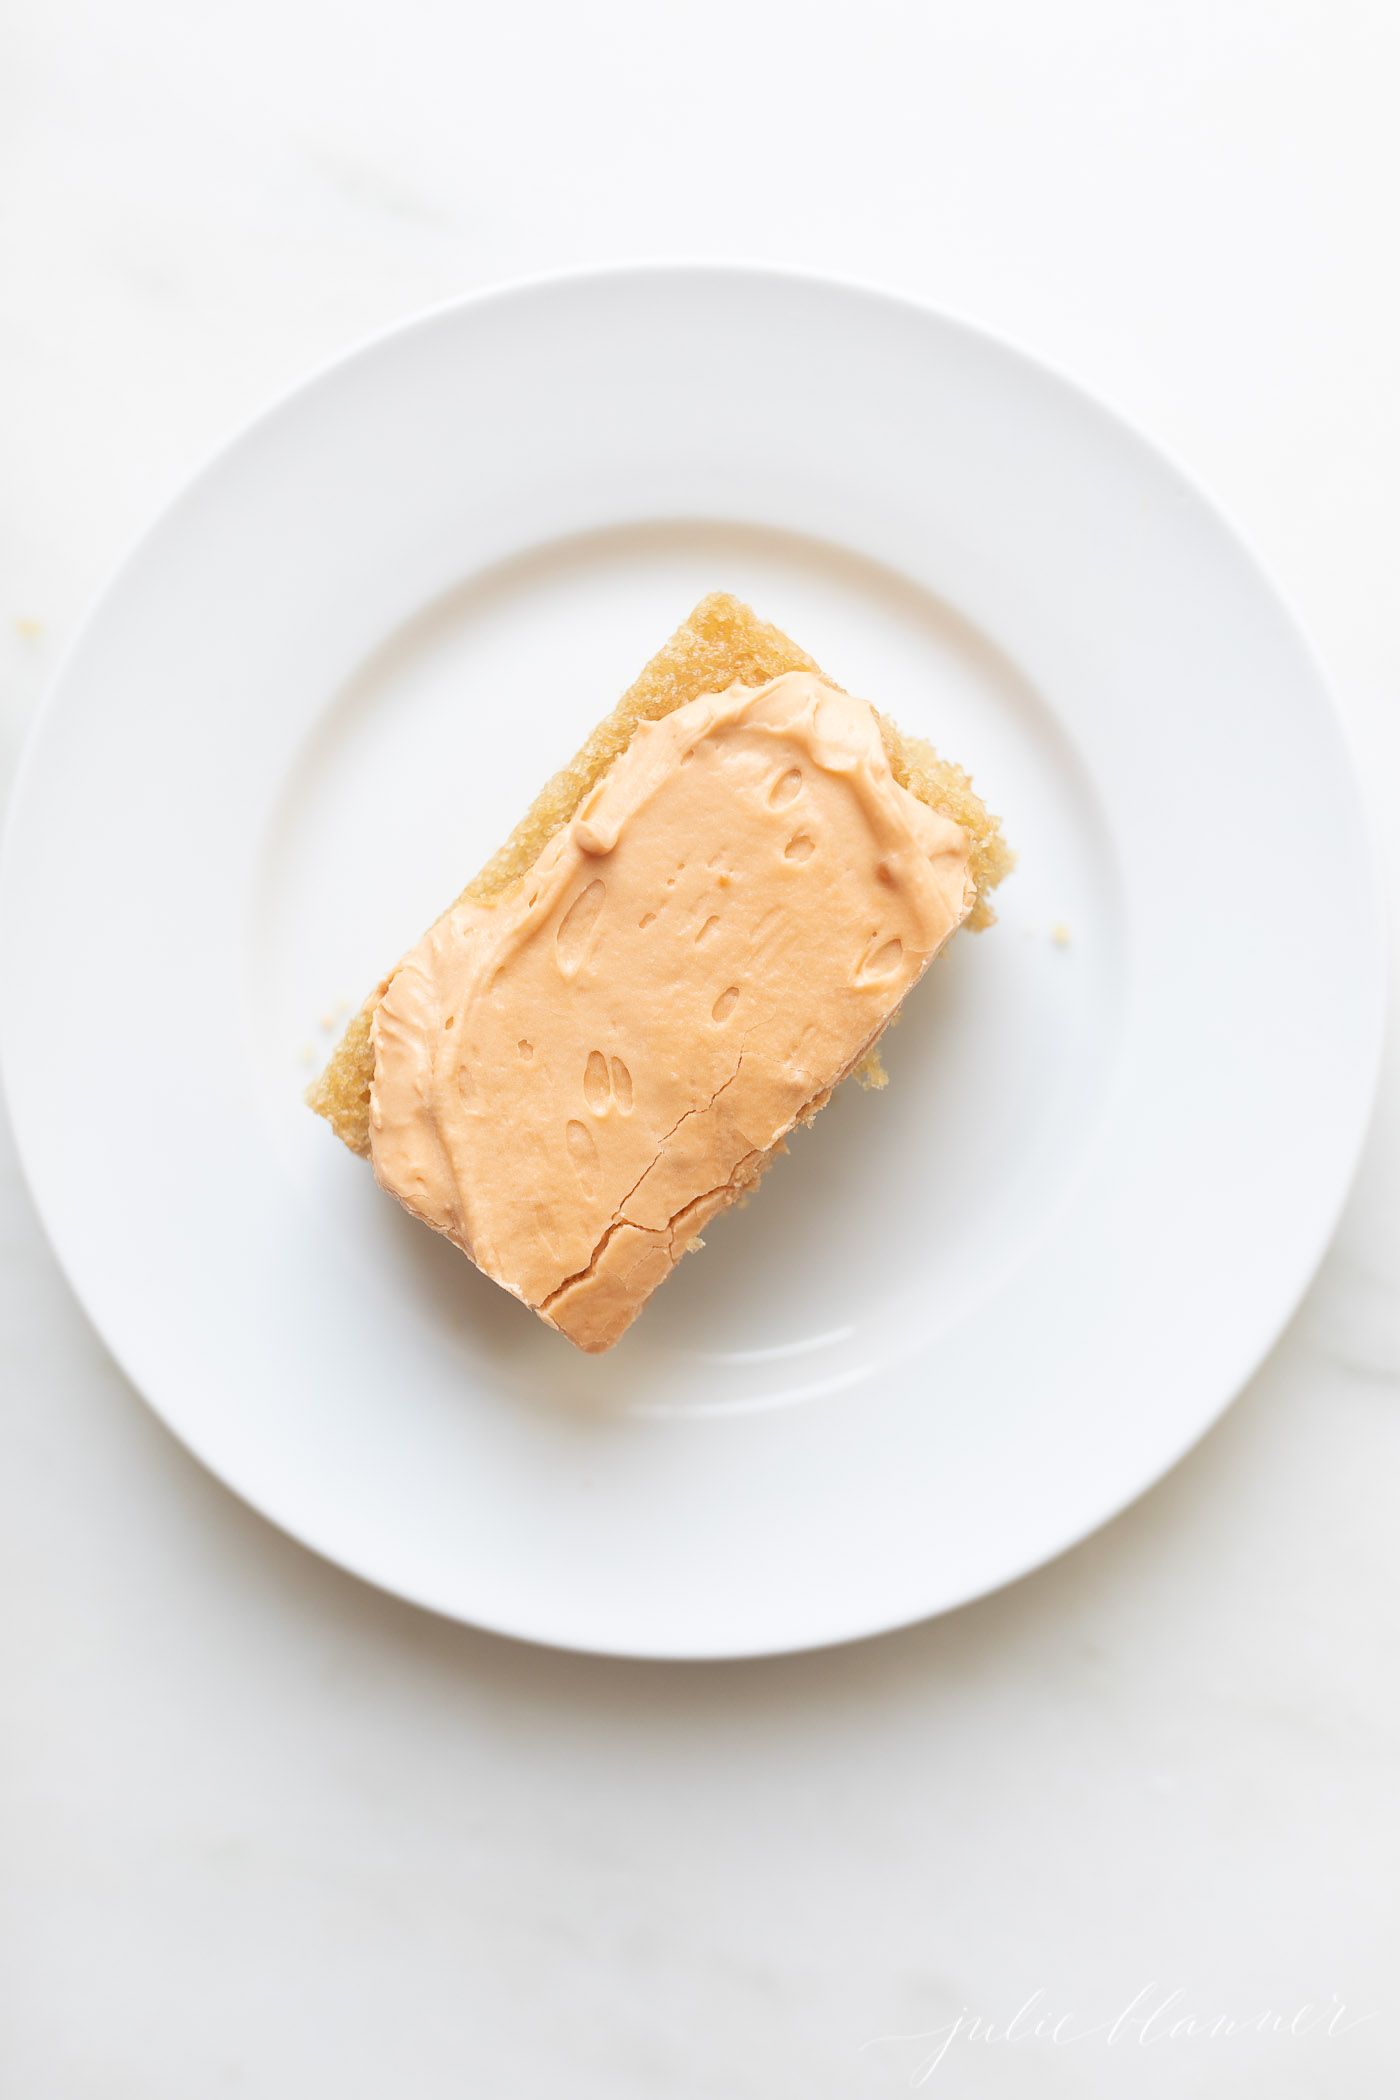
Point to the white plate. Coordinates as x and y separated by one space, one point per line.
971 1317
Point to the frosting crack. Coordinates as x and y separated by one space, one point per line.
725 1189
619 1216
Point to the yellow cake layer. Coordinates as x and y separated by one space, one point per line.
723 643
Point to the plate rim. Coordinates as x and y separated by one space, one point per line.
601 277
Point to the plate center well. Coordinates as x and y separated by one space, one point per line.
899 1211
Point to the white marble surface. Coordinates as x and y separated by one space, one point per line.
265 1832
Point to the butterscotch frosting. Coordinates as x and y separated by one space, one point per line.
571 1081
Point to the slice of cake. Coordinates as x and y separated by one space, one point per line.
705 922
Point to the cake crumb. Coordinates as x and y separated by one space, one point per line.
307 1054
1059 934
28 630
